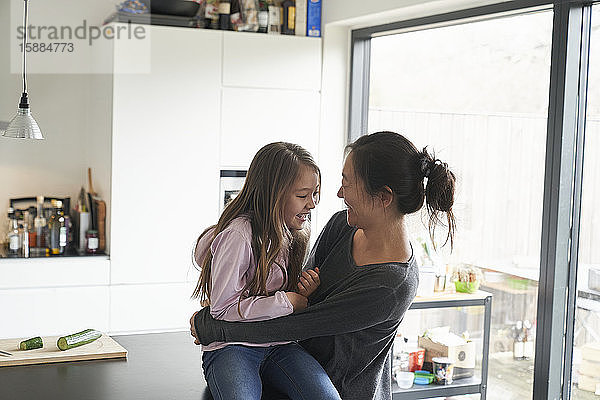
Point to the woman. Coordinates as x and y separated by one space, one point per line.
368 272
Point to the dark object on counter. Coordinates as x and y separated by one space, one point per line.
180 8
152 19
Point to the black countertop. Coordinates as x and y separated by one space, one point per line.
158 366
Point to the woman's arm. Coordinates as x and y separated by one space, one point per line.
352 310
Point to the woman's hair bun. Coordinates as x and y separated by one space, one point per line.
439 192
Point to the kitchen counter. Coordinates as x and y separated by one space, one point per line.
158 366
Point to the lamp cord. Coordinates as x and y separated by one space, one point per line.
25 48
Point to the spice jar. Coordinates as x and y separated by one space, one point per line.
91 241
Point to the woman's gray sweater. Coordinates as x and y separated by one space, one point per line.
351 321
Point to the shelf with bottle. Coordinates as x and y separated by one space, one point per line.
422 355
45 229
286 17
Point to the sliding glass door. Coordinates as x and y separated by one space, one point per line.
499 92
477 95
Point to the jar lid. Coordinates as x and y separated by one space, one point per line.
442 360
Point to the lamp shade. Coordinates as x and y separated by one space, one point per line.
23 126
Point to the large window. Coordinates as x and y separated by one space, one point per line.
498 92
477 95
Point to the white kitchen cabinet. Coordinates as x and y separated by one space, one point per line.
54 272
252 118
53 311
271 61
209 100
165 165
206 101
151 307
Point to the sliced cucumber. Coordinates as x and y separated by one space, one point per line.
30 344
78 339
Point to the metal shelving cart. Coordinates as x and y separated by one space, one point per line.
473 385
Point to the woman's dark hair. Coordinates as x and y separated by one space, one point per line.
389 159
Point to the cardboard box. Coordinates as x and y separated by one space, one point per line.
313 18
589 384
591 352
463 355
301 17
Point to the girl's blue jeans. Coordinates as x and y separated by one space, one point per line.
236 372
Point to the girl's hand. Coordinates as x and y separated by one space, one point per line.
309 281
298 301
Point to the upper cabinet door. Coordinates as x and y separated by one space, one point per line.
258 60
165 156
254 117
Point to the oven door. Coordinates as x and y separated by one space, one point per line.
232 182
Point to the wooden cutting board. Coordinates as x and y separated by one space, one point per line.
104 347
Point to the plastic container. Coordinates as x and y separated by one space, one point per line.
443 369
416 358
426 281
594 279
405 379
423 377
466 287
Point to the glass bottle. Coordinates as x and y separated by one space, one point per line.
53 235
274 18
14 239
235 15
39 224
288 17
62 230
24 232
225 15
91 241
263 16
211 14
31 232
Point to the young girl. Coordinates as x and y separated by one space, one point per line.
251 270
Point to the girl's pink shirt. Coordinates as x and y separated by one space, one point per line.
233 266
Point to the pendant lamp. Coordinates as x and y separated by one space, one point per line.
23 126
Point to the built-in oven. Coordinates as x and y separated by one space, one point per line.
232 182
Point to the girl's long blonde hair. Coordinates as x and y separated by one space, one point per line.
272 173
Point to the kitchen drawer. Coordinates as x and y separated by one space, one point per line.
54 272
143 308
53 311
